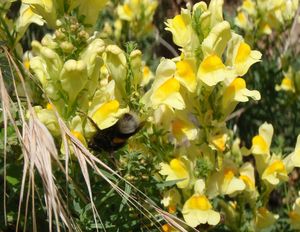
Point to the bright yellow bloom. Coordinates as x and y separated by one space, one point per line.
225 181
219 142
185 73
165 89
183 129
212 71
261 143
147 76
287 83
178 169
247 175
244 58
275 171
264 219
181 29
198 210
237 92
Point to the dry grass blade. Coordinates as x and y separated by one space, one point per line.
39 150
5 101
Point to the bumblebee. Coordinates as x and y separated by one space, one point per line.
116 136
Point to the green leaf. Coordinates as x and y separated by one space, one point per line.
13 181
168 183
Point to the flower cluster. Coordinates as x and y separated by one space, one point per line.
264 16
191 97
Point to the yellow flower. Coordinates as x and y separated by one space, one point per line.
27 16
89 8
171 199
261 146
45 8
264 218
73 78
127 11
212 71
116 64
261 143
178 169
275 171
242 21
105 109
165 89
185 73
147 76
183 129
287 83
77 129
294 215
293 159
225 181
237 92
216 41
181 28
244 57
215 8
247 175
48 118
218 142
249 6
168 228
198 210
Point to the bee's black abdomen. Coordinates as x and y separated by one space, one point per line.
115 137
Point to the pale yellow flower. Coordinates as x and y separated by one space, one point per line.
261 146
147 75
27 16
261 143
247 175
115 61
218 141
216 41
242 21
171 200
48 117
186 74
212 70
165 89
45 8
226 181
293 159
178 169
182 130
237 92
73 78
287 83
105 109
264 219
181 28
275 171
89 9
294 215
198 210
